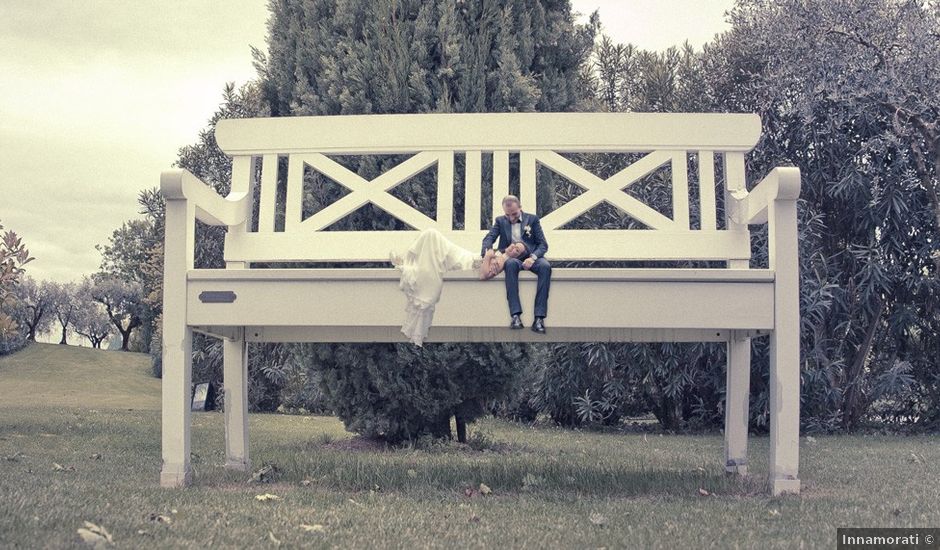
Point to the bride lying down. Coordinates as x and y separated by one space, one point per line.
422 275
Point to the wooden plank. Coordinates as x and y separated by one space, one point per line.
527 184
399 133
464 303
610 274
474 334
601 245
445 191
293 208
706 190
500 181
680 190
734 183
472 190
268 200
242 176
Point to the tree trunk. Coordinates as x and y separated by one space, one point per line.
62 341
461 429
852 410
125 336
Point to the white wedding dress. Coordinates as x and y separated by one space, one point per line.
422 278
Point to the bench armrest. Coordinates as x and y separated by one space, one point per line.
781 184
211 208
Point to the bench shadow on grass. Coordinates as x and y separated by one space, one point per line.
357 464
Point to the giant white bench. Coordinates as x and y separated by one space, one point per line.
731 304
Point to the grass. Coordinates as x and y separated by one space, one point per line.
549 487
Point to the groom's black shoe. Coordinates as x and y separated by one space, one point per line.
516 322
538 325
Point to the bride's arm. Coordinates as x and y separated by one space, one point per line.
488 260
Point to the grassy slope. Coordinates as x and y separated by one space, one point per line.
548 484
73 376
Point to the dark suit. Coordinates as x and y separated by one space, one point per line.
536 245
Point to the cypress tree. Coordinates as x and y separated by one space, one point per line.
331 57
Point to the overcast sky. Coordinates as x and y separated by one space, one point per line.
97 97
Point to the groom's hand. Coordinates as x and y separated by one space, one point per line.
527 263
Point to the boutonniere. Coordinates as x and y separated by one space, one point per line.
528 231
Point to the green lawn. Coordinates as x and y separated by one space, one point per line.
549 487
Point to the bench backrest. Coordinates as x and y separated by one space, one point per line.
435 140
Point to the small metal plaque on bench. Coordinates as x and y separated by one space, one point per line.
216 296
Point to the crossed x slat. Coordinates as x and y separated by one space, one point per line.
364 191
598 190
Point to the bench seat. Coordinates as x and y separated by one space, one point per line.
587 304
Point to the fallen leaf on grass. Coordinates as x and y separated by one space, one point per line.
473 518
273 538
315 528
774 512
412 473
306 482
266 497
95 456
264 475
597 519
58 467
810 439
144 533
485 489
703 492
95 535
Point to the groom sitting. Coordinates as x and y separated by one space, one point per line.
522 227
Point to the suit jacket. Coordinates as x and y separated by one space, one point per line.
533 239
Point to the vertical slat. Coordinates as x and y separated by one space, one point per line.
268 198
445 191
500 180
680 190
734 180
706 190
242 174
472 191
243 180
527 174
295 189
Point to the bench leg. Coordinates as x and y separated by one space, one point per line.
235 376
177 349
737 393
784 411
176 412
785 350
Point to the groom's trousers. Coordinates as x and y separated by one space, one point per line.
543 271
